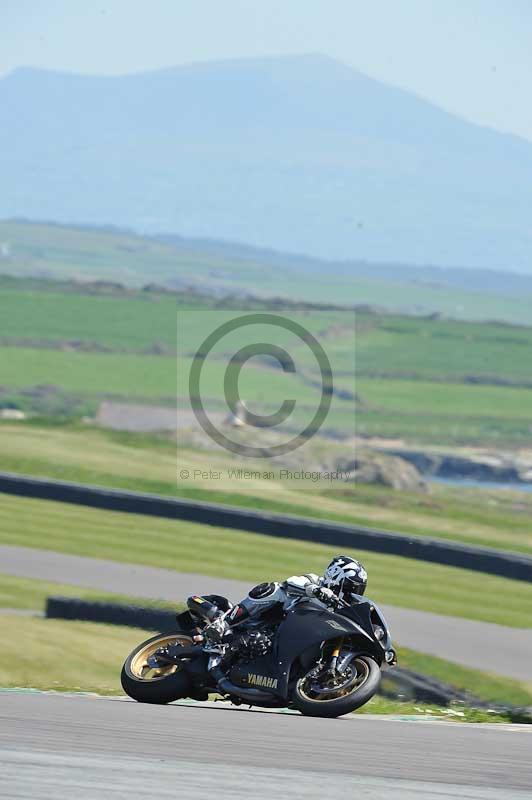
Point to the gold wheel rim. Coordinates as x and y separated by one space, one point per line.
139 666
351 688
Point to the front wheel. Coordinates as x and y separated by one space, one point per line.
318 694
162 684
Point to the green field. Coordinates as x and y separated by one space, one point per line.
385 345
500 519
442 350
40 313
414 410
188 547
445 412
63 252
424 380
95 374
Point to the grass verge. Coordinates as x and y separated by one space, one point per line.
189 547
484 685
65 656
499 519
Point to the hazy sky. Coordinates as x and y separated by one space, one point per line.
473 57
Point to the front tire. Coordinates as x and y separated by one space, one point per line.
360 688
147 685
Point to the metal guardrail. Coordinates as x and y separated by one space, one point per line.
285 526
74 608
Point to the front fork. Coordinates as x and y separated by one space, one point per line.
335 655
337 664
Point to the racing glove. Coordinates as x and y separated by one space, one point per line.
322 593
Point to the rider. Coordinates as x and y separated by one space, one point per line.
343 579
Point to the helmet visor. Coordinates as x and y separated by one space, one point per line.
351 587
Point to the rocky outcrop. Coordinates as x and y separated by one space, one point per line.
500 468
358 464
383 470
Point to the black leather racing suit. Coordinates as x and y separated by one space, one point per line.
224 619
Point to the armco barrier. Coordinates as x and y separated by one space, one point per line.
405 684
335 534
152 619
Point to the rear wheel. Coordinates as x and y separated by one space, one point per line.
320 694
155 684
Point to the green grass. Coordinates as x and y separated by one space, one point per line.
486 686
187 546
444 412
93 373
442 350
497 519
416 410
130 323
415 377
456 712
431 429
415 347
64 252
65 656
453 401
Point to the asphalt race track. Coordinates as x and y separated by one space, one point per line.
85 747
462 641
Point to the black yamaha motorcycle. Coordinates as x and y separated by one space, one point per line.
321 662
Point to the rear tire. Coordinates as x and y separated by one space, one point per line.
162 686
346 703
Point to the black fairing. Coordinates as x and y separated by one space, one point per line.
366 614
302 632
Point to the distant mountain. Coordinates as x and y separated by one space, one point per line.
295 153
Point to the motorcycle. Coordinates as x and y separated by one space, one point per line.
323 662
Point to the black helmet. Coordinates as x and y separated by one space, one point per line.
345 576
